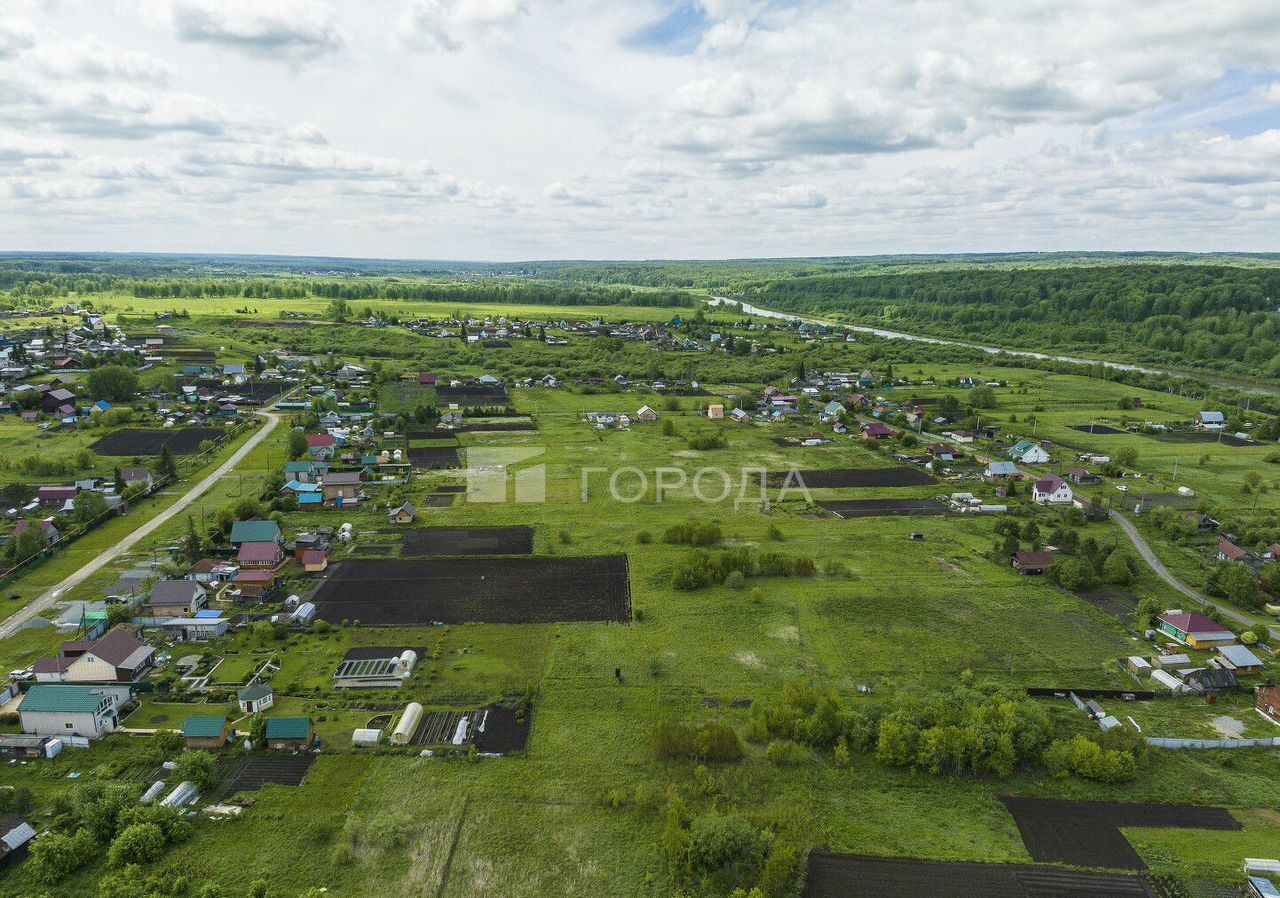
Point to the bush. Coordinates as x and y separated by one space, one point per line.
676 741
724 842
735 580
57 855
692 533
140 843
785 753
1086 758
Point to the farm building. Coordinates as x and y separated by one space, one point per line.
65 710
1210 420
1172 662
1210 680
715 412
1266 700
205 732
1239 659
1083 477
116 657
1032 562
644 413
405 514
1168 681
26 745
290 733
1138 665
314 561
170 598
1194 630
1001 470
1051 490
255 698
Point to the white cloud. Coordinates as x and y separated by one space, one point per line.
448 24
796 196
289 29
564 195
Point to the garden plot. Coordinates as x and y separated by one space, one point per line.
473 396
1113 601
443 541
435 458
1101 429
838 478
426 591
374 667
854 876
872 508
183 441
494 427
495 730
249 773
1087 833
1198 436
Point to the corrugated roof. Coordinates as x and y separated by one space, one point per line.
203 727
254 531
288 727
59 699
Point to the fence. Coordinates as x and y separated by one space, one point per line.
1201 744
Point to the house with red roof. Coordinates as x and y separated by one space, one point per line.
320 445
1194 630
1052 490
268 555
116 657
314 560
877 431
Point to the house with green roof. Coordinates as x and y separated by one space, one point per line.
290 733
205 732
255 532
60 709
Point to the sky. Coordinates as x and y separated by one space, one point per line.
630 129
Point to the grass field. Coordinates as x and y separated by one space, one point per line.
887 611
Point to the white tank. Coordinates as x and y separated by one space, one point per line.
346 528
397 455
408 724
366 736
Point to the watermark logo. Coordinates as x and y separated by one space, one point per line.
709 485
501 475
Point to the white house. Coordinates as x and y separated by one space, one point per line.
1029 453
60 709
1052 490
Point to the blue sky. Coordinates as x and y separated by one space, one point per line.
507 129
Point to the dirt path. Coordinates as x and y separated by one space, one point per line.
46 599
1149 556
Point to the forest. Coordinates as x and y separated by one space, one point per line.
1200 316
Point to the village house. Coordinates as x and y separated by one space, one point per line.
1229 551
1001 470
171 598
320 445
255 532
1266 701
877 431
1051 490
1194 630
255 698
117 657
260 555
314 561
715 412
1083 477
342 487
1029 453
644 413
62 709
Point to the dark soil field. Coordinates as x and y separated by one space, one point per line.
259 391
1087 833
1096 428
838 478
440 541
438 501
249 773
854 876
875 508
473 396
184 441
435 459
1112 601
1202 437
503 734
420 592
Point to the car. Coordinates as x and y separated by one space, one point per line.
1122 488
21 675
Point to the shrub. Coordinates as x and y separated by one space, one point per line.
692 533
785 753
676 741
1086 758
735 580
140 843
724 842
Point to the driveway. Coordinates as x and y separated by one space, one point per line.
47 598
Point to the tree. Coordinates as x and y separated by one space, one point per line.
55 855
114 383
982 397
140 843
258 730
297 443
199 767
166 467
87 507
192 546
1116 570
1127 457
